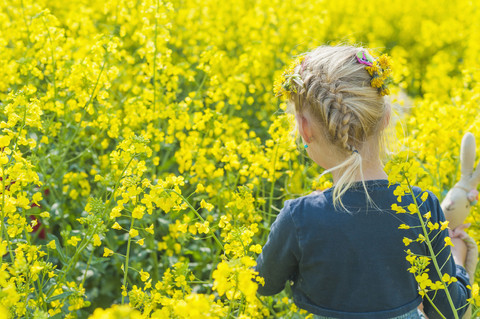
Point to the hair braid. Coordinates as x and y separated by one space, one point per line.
340 118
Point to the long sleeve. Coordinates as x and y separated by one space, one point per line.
458 290
278 261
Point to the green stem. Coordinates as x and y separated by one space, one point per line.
230 306
154 257
125 271
120 178
214 262
86 268
85 150
2 229
272 187
21 129
435 307
73 260
432 252
42 295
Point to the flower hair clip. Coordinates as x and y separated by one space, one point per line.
379 69
284 85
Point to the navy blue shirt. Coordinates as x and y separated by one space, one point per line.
353 265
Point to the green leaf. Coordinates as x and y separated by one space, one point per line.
59 249
60 296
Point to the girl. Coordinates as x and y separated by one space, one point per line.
341 249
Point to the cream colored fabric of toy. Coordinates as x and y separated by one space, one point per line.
459 199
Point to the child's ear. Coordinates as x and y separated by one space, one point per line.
304 127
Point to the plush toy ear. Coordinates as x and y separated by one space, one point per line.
467 155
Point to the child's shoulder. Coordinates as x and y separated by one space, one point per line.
316 199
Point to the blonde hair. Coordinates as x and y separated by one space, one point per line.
336 91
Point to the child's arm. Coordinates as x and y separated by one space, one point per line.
278 261
459 249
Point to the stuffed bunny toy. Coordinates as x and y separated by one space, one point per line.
461 197
464 194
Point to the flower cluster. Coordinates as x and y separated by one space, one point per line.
380 69
290 80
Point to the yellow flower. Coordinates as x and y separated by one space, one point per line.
432 226
73 241
4 141
133 232
256 249
203 227
420 238
448 279
407 241
138 212
376 82
150 229
373 69
45 214
412 208
96 240
116 212
51 244
398 209
448 242
116 226
200 188
107 252
285 85
206 205
423 280
144 275
424 196
37 197
384 61
444 225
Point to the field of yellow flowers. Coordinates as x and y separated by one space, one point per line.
143 155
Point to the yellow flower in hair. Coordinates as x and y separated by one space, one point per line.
386 73
284 85
385 91
376 82
372 69
384 61
381 72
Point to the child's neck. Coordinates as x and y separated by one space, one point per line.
371 171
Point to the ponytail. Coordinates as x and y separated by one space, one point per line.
347 170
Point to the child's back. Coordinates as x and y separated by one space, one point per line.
351 265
